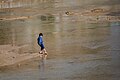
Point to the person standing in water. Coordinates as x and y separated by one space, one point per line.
41 44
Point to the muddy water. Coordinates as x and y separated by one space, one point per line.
77 50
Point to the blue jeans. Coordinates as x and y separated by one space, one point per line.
42 46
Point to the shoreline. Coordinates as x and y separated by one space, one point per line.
92 14
87 19
11 56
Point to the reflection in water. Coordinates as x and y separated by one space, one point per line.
49 18
13 37
5 31
42 63
115 33
42 66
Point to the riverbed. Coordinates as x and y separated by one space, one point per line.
77 50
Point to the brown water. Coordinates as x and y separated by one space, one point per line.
77 50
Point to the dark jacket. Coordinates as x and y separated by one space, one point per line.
40 40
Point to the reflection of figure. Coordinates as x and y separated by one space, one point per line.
42 63
40 43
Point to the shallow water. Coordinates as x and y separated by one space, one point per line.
77 50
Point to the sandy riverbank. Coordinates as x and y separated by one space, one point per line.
93 14
10 55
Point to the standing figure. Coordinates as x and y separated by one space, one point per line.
41 44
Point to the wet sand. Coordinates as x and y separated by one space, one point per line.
81 46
